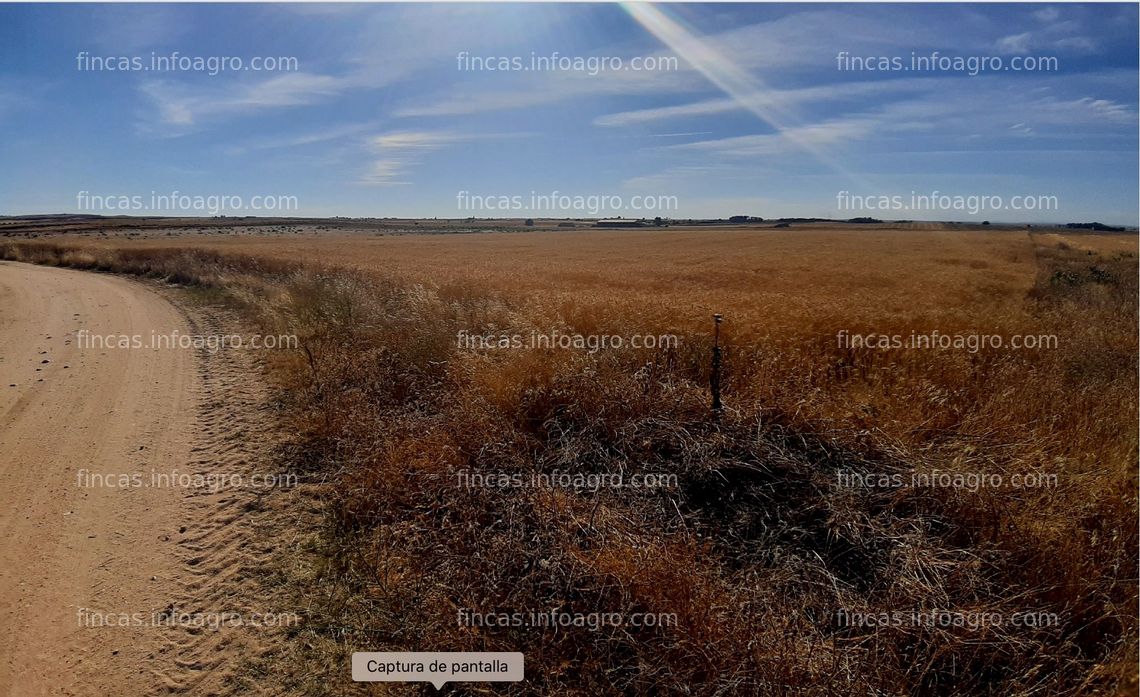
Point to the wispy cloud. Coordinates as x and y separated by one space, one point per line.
323 135
385 173
787 140
784 99
1094 109
524 90
401 150
416 140
480 102
707 107
183 106
1015 43
684 134
1056 31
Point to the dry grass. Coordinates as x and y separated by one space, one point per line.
758 548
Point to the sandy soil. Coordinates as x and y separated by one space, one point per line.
67 546
77 556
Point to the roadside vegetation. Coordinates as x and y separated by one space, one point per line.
763 550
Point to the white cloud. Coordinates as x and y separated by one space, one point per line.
783 99
789 140
707 107
322 136
1081 44
183 105
1052 34
386 173
1015 43
678 135
1104 109
401 150
482 102
528 89
415 140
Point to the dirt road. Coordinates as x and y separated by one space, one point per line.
78 555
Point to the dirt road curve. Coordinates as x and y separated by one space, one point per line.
70 550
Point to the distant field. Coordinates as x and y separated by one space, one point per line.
762 279
773 286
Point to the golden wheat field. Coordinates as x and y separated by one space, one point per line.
767 281
772 286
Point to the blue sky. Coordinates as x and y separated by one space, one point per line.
758 118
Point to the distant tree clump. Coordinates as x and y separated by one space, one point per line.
1098 227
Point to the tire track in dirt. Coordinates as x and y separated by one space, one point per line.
231 539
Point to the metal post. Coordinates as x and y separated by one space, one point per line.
714 380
